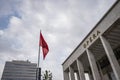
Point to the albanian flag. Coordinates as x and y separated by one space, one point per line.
44 45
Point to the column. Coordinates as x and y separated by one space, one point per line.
93 65
72 76
78 77
80 70
66 75
111 57
100 70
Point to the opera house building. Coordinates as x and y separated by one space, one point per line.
98 55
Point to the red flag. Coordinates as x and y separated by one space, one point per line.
44 45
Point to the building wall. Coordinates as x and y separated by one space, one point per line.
19 70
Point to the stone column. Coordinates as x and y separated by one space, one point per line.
66 75
72 76
78 77
93 65
111 57
100 70
80 70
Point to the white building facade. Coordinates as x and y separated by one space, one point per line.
98 55
19 70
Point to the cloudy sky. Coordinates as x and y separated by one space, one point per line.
64 24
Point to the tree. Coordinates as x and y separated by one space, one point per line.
47 75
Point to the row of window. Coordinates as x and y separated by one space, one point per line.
31 66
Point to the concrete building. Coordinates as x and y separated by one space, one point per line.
19 70
98 55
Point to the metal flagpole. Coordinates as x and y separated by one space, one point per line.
38 71
38 57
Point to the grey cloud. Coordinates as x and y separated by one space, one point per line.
64 23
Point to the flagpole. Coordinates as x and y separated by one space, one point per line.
38 73
38 58
39 68
45 50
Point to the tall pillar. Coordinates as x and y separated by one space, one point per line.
100 70
72 76
66 75
93 65
110 54
80 70
78 77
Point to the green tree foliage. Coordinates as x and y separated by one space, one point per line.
47 75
